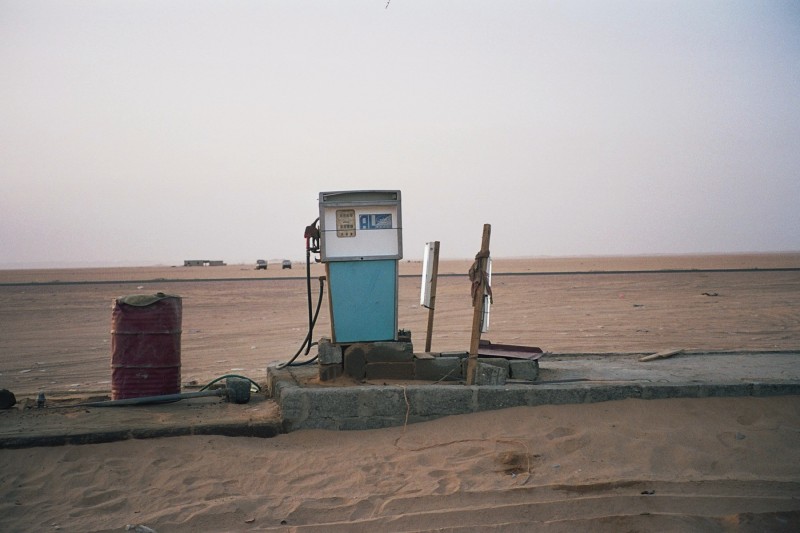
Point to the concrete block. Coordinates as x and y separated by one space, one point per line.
728 390
334 402
491 398
493 361
462 355
431 401
329 353
605 393
438 369
523 369
775 389
279 379
653 391
389 352
355 360
390 370
554 395
330 372
381 402
293 403
490 374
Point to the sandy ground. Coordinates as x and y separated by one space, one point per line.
729 464
662 465
56 337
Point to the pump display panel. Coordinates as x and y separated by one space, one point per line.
360 225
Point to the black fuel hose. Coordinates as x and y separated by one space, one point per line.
311 319
307 344
312 244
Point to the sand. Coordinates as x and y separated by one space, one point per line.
716 464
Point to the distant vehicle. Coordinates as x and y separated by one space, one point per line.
286 264
261 264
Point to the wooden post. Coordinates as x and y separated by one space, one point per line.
434 274
477 312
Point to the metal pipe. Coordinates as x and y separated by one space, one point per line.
145 400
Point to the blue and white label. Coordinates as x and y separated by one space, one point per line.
382 221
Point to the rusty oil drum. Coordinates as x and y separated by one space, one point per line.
146 345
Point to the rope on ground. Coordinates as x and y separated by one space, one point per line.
408 408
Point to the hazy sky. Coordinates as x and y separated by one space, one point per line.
158 131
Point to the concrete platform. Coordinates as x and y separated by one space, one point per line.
59 423
300 401
343 404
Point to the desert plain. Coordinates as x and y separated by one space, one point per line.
710 464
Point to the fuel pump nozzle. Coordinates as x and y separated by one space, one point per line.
312 237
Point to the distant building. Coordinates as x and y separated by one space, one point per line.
203 262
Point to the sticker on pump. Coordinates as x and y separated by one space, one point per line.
345 222
381 221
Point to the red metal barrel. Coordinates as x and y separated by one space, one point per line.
146 346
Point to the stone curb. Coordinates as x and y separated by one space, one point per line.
373 407
260 429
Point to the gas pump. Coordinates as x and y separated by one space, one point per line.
360 243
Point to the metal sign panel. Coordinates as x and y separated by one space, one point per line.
363 299
427 275
487 301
